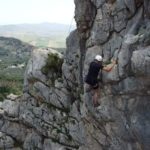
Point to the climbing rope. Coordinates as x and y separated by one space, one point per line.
70 25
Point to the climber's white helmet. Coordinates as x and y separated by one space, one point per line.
98 58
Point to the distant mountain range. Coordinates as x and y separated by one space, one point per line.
41 29
43 34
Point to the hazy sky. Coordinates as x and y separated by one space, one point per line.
36 11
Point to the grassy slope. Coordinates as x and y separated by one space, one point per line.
42 41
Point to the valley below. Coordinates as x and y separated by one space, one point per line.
16 45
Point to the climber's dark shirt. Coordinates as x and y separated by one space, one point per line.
93 71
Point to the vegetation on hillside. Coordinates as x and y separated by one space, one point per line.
14 55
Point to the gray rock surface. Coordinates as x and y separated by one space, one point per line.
56 112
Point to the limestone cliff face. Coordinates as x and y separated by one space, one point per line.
55 113
120 30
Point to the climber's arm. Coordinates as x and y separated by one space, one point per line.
110 66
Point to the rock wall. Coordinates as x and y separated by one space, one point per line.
117 29
55 113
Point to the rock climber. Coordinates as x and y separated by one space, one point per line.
91 80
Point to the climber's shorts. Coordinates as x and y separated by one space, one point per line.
96 86
88 87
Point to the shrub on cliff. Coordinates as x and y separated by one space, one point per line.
53 63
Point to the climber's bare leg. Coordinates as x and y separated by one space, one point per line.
96 96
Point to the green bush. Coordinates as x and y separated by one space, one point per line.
2 97
53 63
4 89
7 87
